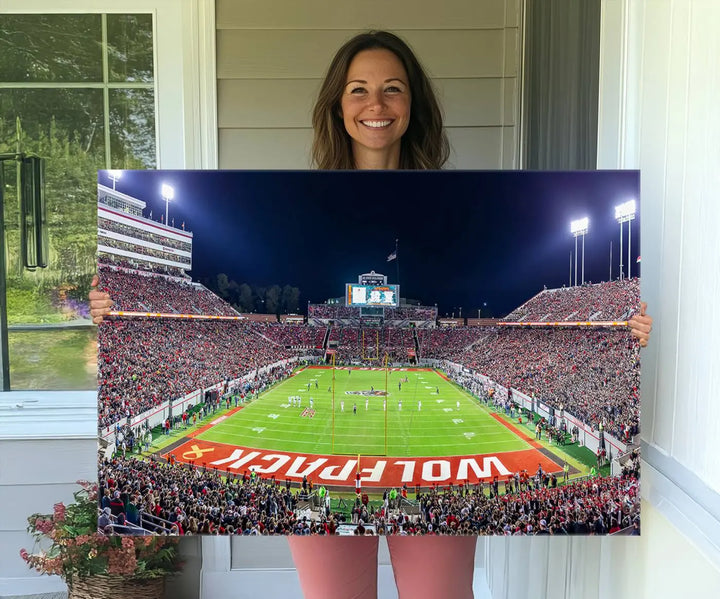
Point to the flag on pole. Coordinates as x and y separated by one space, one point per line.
392 256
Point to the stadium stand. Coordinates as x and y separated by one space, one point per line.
135 291
188 500
615 300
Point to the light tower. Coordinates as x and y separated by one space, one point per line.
115 176
168 193
625 213
580 228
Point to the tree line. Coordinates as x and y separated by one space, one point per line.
245 297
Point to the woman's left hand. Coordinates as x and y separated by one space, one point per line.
641 325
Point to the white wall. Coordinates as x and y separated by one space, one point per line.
46 445
271 57
660 81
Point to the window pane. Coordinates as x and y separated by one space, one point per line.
44 48
64 126
132 128
130 48
58 359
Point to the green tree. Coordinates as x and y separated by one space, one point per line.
245 298
272 300
221 285
290 299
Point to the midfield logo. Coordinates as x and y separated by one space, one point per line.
367 393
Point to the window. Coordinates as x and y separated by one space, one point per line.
78 90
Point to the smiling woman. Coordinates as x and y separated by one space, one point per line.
362 118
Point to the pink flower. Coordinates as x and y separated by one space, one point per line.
44 526
122 560
59 512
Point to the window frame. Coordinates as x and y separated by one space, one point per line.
184 89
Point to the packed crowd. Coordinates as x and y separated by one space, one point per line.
595 506
411 313
291 335
142 363
595 375
357 344
174 499
109 260
330 311
447 343
122 229
188 500
145 251
615 300
136 291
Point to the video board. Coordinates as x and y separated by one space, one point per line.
372 295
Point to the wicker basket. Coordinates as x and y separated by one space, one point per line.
116 587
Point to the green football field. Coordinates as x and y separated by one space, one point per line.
428 416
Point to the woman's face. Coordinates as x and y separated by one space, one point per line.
375 102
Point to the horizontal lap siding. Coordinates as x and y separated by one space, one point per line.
271 59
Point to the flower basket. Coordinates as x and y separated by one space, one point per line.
94 564
116 587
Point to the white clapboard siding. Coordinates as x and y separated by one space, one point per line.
250 54
271 59
265 148
45 447
319 14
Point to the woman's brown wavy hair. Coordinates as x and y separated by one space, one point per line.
424 145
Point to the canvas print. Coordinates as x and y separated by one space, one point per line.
369 353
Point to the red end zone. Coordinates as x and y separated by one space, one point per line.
381 472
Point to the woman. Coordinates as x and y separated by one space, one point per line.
377 110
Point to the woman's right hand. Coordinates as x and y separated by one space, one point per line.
100 302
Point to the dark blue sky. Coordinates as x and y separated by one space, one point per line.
465 238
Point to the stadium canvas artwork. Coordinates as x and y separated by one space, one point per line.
416 353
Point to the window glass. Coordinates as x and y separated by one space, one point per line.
59 101
132 128
51 48
130 48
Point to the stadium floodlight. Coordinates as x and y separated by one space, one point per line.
579 228
168 193
115 176
625 213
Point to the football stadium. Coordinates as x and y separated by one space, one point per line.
370 410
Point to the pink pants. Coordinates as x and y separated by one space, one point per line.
429 567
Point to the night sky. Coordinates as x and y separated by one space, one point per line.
475 239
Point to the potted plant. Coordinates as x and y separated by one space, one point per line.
93 564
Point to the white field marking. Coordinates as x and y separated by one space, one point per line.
274 416
439 400
284 405
303 389
428 387
258 429
351 424
218 420
425 444
448 410
469 435
457 421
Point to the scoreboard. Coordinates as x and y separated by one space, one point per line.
372 295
